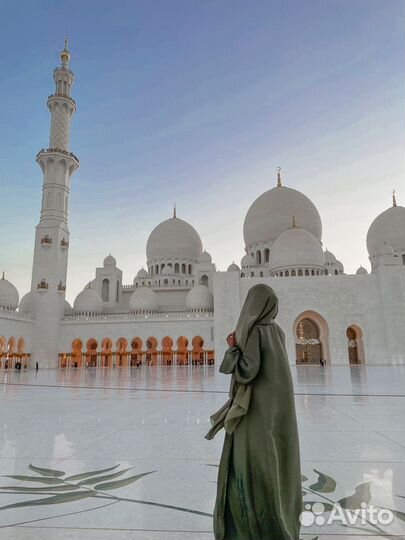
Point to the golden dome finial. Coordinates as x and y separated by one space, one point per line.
174 211
65 54
279 184
294 224
394 199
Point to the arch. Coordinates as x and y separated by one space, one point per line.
183 268
11 345
311 337
156 269
355 345
167 351
293 273
91 353
76 355
197 353
176 268
190 269
204 280
266 255
258 257
106 354
121 354
20 345
151 351
136 352
105 289
300 272
182 352
306 272
287 273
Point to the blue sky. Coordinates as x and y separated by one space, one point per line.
198 102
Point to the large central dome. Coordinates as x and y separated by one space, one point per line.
174 238
272 212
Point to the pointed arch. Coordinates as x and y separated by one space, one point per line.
311 337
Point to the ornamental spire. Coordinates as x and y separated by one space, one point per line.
174 211
279 184
65 54
394 199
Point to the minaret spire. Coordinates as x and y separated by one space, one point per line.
174 211
279 184
394 199
65 54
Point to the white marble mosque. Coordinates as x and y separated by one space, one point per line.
120 454
178 307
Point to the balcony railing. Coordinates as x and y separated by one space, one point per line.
42 285
57 150
46 240
64 96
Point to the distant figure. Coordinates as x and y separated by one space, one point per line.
36 366
321 362
259 478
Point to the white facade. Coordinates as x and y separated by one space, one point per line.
179 299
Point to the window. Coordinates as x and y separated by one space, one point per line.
105 290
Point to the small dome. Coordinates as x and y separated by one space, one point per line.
361 270
143 299
271 214
110 261
387 228
142 273
329 257
200 297
26 303
174 238
233 268
296 247
88 301
247 261
9 296
205 257
167 271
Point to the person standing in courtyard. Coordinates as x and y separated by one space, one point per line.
259 479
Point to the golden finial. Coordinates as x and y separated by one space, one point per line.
294 225
65 54
394 199
174 211
279 184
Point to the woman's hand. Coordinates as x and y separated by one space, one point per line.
231 340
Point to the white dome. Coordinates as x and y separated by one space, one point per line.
167 271
361 270
142 273
143 299
26 303
233 268
387 228
67 308
200 297
273 211
174 238
8 294
88 301
385 249
247 261
110 261
329 257
205 257
294 248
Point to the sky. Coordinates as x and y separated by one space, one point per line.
197 102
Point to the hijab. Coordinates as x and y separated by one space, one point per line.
260 307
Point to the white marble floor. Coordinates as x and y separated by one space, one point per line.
152 422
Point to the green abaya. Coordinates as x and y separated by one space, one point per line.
259 480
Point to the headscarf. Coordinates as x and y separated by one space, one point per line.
260 307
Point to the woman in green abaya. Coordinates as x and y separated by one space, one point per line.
259 480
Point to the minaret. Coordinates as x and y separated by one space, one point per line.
49 269
57 164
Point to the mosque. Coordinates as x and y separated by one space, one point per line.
178 309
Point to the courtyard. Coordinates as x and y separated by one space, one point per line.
120 454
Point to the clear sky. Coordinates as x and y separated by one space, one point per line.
198 102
